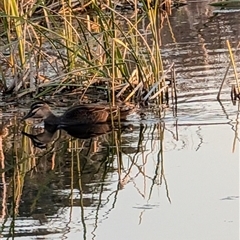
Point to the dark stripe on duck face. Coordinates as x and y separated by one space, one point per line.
29 115
37 105
33 110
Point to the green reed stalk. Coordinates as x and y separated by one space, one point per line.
115 49
113 58
68 34
15 22
154 18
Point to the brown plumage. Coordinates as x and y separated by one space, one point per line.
79 114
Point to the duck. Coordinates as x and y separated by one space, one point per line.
79 114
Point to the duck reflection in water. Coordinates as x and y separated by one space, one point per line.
83 131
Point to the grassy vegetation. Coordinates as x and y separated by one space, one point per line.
50 49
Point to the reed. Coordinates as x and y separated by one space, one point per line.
68 50
235 87
12 21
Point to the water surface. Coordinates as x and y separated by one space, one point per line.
175 178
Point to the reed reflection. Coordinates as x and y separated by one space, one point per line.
81 167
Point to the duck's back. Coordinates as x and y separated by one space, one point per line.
85 114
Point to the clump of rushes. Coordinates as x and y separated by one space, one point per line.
54 50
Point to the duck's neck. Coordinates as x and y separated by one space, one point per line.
51 119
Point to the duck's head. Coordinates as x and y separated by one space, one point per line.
38 110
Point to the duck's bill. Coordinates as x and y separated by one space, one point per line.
28 115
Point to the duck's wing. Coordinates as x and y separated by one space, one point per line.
85 114
125 109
